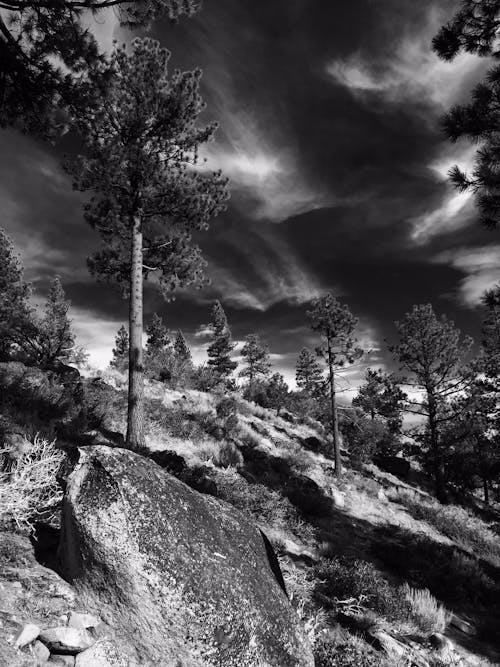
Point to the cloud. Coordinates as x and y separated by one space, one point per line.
410 70
481 266
455 209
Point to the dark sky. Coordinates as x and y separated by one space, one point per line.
329 130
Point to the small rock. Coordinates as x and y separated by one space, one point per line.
27 634
381 495
439 641
82 621
338 498
42 653
103 653
66 640
62 660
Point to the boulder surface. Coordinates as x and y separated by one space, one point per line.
184 579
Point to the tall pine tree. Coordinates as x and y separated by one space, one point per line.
335 324
257 359
142 141
219 350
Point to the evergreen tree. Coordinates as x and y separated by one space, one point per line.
120 350
219 350
277 392
181 349
490 344
381 396
335 324
158 336
431 349
258 363
142 140
15 312
474 29
308 373
47 54
51 340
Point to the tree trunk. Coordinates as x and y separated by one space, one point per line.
436 455
486 491
334 419
135 419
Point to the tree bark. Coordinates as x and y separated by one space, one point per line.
486 491
334 419
436 454
135 418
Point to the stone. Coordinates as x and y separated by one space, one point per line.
439 641
102 654
66 640
26 635
338 498
181 577
41 652
82 621
62 660
381 495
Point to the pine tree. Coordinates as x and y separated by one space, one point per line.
142 140
308 374
257 359
181 349
431 349
52 340
15 312
490 344
381 396
277 392
219 350
158 336
335 324
474 29
37 37
120 350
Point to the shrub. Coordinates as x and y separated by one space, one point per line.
222 455
346 650
29 489
345 579
427 614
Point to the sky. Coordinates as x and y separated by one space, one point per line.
329 132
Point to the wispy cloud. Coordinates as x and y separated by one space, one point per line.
455 209
412 71
481 266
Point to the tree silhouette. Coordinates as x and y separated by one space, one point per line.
219 350
181 349
142 144
48 57
335 324
381 396
431 349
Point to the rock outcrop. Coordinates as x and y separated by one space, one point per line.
184 579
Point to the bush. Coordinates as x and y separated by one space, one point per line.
346 651
427 614
29 490
343 579
222 455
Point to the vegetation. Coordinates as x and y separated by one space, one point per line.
221 345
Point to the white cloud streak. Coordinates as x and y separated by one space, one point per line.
481 266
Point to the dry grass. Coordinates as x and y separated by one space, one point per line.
427 614
29 488
465 529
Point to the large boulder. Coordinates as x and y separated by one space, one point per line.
183 579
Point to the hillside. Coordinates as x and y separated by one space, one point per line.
356 554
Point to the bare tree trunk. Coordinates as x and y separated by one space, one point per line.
436 454
135 419
334 418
